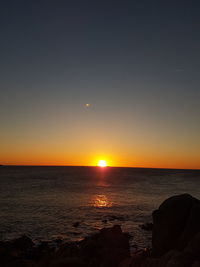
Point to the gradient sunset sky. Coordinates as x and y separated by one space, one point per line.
137 63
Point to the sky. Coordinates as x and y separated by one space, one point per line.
137 64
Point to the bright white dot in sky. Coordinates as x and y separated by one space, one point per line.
87 105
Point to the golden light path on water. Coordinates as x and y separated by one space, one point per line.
101 201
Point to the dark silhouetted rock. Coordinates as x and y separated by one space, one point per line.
136 260
12 251
20 263
108 248
67 262
114 237
196 264
146 226
76 224
42 251
175 223
68 250
104 249
58 241
23 242
76 233
176 235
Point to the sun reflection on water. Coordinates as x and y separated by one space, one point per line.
101 201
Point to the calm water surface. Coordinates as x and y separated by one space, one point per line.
45 202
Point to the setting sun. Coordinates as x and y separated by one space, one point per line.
102 163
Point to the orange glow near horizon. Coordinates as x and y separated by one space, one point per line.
50 146
145 162
57 156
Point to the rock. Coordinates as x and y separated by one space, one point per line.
193 247
108 248
58 241
11 251
175 223
112 256
44 245
196 264
20 263
76 224
23 243
104 249
68 250
42 251
114 237
192 226
189 257
136 259
147 226
176 236
126 262
67 262
76 233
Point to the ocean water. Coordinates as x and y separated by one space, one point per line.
45 202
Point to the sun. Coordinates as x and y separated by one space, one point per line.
102 163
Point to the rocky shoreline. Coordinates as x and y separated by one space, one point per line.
175 243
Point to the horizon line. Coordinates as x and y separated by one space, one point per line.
92 166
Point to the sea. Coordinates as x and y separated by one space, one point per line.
70 203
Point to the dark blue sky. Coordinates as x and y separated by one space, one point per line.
136 62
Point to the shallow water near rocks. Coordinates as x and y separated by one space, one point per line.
70 203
